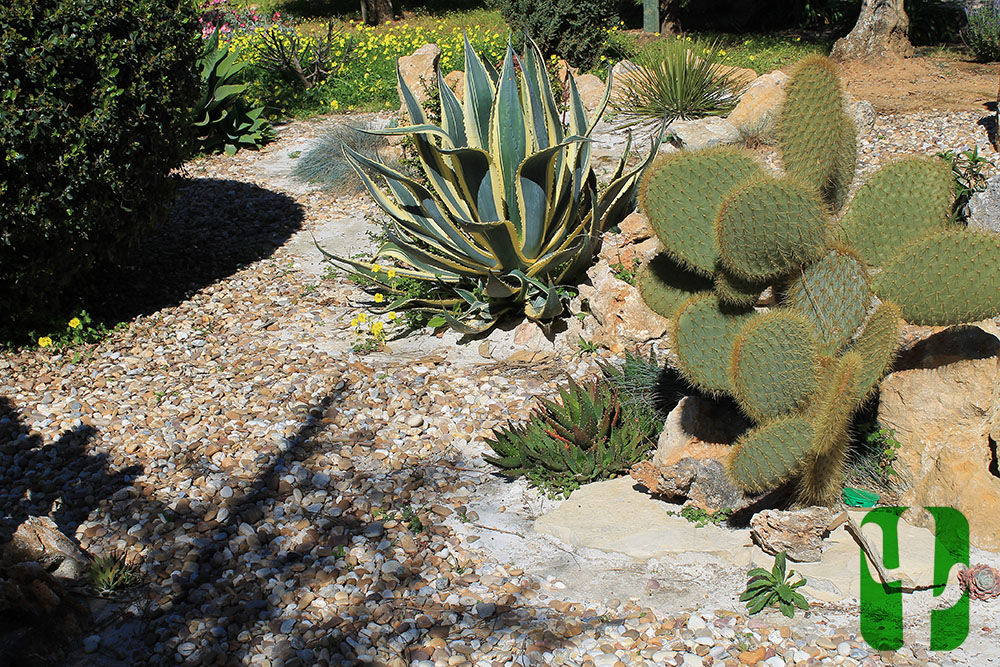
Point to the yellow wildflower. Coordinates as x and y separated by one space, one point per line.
376 328
391 273
362 317
376 268
44 341
74 323
392 315
379 298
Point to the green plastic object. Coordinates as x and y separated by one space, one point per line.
859 497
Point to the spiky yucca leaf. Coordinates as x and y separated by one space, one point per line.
512 209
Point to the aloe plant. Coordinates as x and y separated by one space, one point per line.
588 435
512 209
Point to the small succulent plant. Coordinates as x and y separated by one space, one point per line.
982 582
113 573
774 589
588 435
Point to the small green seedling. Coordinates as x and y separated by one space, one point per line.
774 589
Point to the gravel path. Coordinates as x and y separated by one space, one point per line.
297 504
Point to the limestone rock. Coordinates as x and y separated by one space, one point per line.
619 80
38 539
456 81
984 207
699 428
622 318
614 516
741 76
700 482
799 533
419 70
863 114
757 110
591 92
696 135
635 228
945 413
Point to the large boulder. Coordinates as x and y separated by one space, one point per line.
689 462
419 71
757 110
620 318
702 133
984 207
39 539
591 90
943 406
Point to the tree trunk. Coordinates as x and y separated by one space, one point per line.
374 12
880 33
670 23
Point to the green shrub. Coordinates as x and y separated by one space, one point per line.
576 30
94 114
589 435
326 165
221 118
676 78
983 33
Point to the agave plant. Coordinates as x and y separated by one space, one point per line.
587 436
222 120
512 210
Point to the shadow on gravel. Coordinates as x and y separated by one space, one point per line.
42 617
60 479
216 228
236 599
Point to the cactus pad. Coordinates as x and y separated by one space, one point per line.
877 347
681 194
770 455
817 138
665 285
946 278
899 204
702 336
775 364
822 476
834 295
770 227
735 291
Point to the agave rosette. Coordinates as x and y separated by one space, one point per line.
512 210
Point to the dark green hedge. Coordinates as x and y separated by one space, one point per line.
95 100
572 29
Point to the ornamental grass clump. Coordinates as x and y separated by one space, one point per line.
511 214
325 164
790 301
587 436
676 79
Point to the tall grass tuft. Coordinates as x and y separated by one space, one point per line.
324 164
676 79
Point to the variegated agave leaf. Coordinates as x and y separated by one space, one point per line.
511 207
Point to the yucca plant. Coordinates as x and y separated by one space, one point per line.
670 81
222 120
588 435
512 211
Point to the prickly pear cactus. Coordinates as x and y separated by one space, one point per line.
840 280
